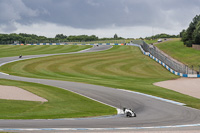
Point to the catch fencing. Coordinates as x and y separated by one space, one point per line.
170 62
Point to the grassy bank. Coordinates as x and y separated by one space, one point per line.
151 41
120 67
179 51
61 104
16 50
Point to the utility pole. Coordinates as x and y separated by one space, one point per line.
152 33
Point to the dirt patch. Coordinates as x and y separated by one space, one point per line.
188 86
15 93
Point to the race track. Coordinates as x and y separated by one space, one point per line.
150 112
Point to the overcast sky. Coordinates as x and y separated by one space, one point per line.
104 18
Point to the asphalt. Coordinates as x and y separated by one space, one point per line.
152 113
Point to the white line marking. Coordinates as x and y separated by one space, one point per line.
162 99
4 73
96 129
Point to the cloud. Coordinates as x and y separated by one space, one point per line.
166 15
51 29
8 27
10 12
93 2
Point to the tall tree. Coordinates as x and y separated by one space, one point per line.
190 36
60 36
196 34
115 36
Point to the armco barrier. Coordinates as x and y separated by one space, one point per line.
167 67
131 44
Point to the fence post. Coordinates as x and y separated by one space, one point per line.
192 69
199 69
186 67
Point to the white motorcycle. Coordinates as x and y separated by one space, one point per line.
129 112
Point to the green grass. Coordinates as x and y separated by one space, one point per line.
179 51
151 41
16 50
122 67
102 41
61 104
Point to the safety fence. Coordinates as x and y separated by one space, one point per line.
168 62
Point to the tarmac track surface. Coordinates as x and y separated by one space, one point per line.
150 112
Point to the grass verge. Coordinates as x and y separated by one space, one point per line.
61 104
176 49
151 41
120 67
16 50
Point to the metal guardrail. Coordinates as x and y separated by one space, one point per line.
175 65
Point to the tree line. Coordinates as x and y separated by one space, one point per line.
32 38
192 34
162 35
